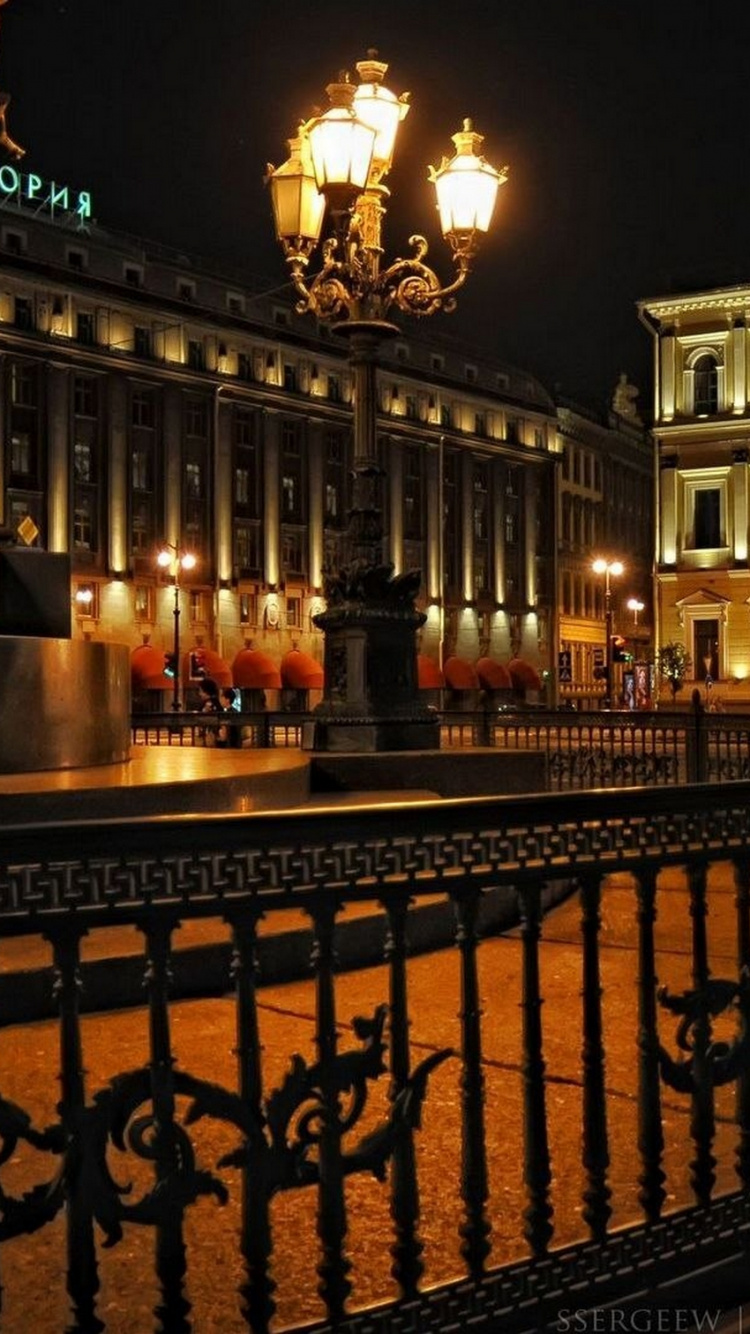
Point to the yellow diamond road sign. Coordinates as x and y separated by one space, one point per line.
27 530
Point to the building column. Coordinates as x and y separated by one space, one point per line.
118 556
434 544
315 503
271 529
467 527
528 536
498 530
667 554
172 435
223 499
739 497
58 459
667 349
395 469
739 371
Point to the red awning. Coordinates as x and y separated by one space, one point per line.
429 675
460 675
523 675
200 662
147 669
493 675
301 672
254 670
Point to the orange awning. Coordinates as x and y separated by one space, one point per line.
199 662
429 675
493 675
254 670
147 669
523 675
301 672
460 675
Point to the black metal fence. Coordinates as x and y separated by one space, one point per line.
327 1152
606 749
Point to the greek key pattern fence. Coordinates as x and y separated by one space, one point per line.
311 1130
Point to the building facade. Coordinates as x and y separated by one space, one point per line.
702 437
148 400
605 508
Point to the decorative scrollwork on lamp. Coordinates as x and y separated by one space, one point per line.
335 172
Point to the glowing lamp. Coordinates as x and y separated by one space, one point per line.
341 147
466 186
380 109
298 207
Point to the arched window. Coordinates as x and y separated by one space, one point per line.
706 386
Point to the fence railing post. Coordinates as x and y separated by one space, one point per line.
696 742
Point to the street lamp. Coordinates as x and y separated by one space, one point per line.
610 569
635 606
171 558
337 164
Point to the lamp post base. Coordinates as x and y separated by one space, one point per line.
368 736
371 700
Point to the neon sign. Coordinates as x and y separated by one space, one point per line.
26 190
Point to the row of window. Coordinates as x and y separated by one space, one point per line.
287 609
490 482
582 468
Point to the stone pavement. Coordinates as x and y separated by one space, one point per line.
203 1035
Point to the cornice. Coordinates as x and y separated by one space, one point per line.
731 301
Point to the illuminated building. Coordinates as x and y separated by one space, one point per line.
702 434
152 400
606 504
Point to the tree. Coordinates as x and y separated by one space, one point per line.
673 663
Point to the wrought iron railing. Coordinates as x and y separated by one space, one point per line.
606 749
657 1173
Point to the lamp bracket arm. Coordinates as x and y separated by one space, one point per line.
415 288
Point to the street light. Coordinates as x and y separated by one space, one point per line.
337 164
635 606
171 558
610 569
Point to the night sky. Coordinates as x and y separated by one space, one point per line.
624 124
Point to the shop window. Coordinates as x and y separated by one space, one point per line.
248 609
143 602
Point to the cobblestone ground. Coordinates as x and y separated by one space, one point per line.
34 1299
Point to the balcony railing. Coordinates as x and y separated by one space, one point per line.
578 1139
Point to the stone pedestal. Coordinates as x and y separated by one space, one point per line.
372 698
64 703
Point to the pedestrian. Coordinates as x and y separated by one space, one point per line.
228 736
208 696
208 702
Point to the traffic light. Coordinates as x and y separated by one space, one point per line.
170 665
619 649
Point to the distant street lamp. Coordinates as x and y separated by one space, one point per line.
610 570
171 558
635 606
338 163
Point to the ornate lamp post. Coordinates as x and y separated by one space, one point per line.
171 558
610 569
336 169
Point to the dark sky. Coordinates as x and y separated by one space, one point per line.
624 124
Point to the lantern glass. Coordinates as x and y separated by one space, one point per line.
466 186
341 149
298 207
379 108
